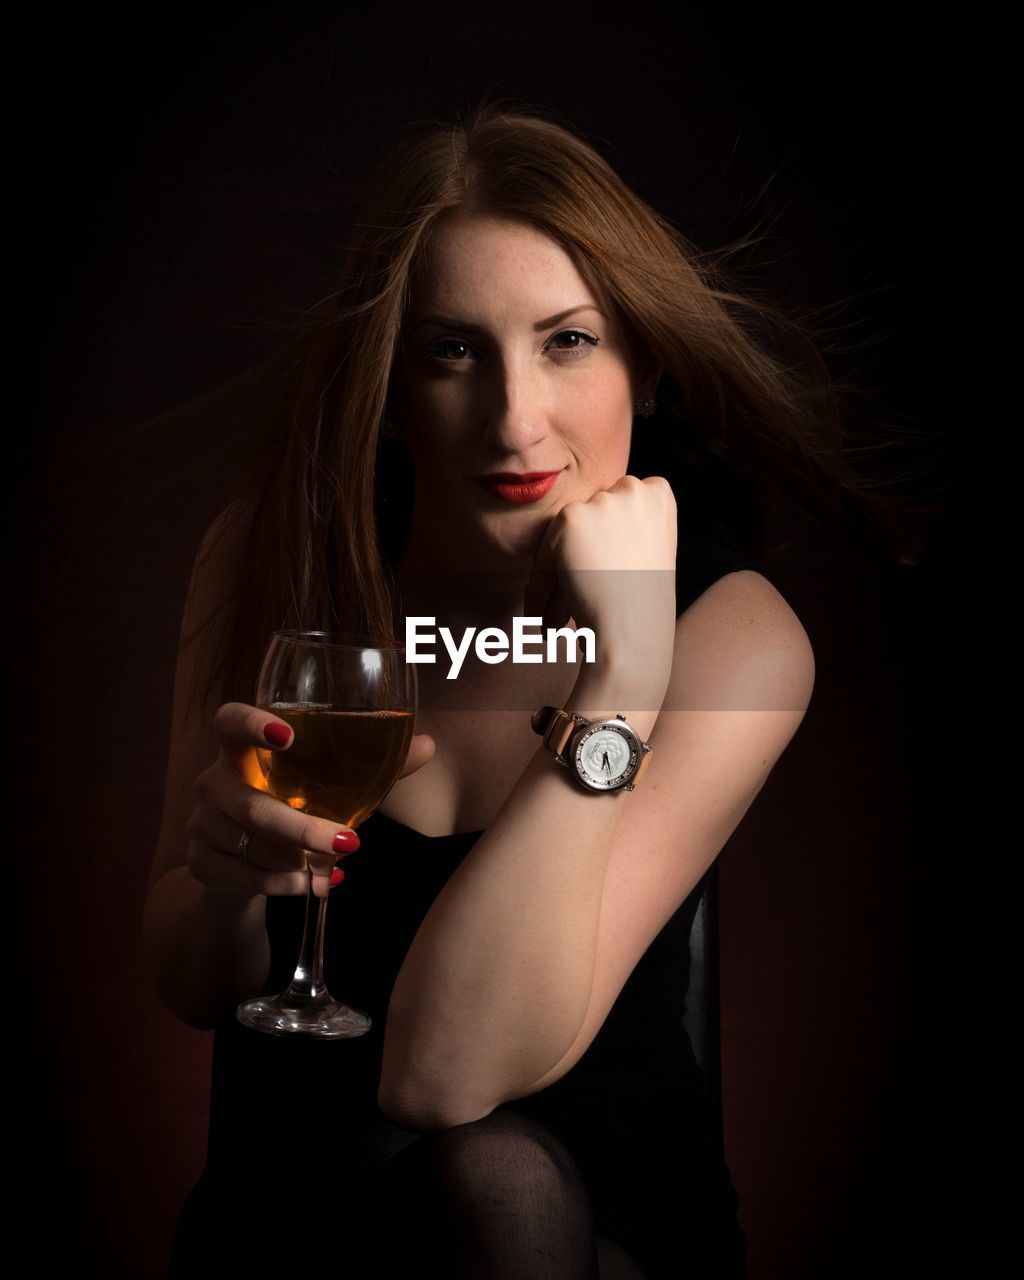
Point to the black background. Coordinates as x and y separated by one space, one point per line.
184 173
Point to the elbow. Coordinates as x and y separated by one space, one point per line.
161 978
196 1017
427 1113
417 1092
410 1115
187 1005
198 1022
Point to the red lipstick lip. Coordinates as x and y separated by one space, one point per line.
515 477
522 489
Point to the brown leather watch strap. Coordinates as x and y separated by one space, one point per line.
644 762
555 725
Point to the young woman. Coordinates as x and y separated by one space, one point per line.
527 398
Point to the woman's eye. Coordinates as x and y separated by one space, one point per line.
442 350
588 340
435 349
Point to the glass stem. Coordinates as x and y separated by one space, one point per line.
307 985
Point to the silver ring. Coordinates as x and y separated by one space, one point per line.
243 846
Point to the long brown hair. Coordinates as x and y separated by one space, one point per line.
745 401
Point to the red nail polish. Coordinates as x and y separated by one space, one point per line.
278 735
345 842
337 875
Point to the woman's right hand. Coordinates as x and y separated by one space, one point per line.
609 564
230 799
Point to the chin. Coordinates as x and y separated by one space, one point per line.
519 545
517 539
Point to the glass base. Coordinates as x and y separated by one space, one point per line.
285 1015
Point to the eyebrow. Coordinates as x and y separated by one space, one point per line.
539 327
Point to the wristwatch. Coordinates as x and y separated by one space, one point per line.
602 755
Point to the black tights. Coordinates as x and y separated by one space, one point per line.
498 1199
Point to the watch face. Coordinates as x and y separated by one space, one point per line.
606 756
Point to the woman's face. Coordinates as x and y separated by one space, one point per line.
495 378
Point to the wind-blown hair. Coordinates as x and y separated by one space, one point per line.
745 401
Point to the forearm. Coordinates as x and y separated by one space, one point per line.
496 983
205 951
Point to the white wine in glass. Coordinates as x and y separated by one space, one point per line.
351 705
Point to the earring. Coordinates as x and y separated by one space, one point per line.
390 428
645 404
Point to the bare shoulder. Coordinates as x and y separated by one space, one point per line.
742 640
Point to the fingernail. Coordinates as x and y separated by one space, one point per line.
278 735
345 842
337 875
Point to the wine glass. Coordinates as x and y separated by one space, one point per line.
351 704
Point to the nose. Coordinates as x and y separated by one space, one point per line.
517 407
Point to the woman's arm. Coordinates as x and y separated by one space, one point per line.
523 952
205 950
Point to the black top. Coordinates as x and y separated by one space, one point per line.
632 1110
